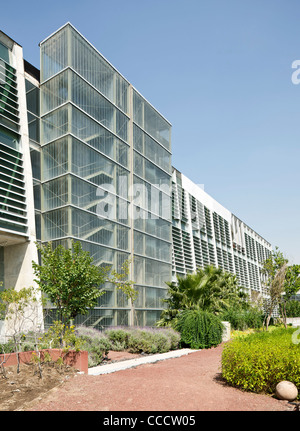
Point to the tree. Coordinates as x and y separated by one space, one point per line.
71 281
21 311
292 281
274 271
210 289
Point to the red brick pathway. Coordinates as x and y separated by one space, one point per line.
188 383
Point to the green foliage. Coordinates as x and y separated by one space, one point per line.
257 362
60 336
244 318
199 329
71 281
118 337
292 308
292 281
210 289
143 340
95 342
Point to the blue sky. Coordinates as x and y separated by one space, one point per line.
220 72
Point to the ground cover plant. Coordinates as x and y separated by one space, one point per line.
132 339
259 361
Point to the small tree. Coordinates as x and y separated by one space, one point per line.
21 312
274 271
71 281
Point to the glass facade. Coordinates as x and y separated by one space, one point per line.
106 174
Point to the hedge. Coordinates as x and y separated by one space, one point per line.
260 360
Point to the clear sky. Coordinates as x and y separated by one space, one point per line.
220 71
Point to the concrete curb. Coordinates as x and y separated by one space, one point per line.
123 365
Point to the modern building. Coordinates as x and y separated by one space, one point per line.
85 157
205 233
17 225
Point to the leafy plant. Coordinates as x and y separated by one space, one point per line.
293 308
71 281
210 289
258 361
244 318
143 340
60 336
199 329
95 342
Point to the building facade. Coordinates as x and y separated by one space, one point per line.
85 157
205 233
105 174
17 225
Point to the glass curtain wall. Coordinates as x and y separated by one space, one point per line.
151 209
97 156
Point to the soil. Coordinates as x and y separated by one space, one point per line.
17 389
189 383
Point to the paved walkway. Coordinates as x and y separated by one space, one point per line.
191 382
131 363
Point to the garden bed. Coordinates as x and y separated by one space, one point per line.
18 389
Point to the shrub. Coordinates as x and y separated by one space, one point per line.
173 335
59 336
199 329
95 342
118 337
260 360
242 319
293 308
143 340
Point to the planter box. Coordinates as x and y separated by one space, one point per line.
78 360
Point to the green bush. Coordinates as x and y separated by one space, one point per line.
242 319
199 329
260 360
293 308
118 338
95 342
143 340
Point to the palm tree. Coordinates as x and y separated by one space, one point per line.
210 289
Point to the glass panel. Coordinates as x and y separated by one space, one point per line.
55 224
151 149
98 107
91 132
92 198
55 124
55 193
150 172
54 54
4 53
154 226
93 166
54 92
33 101
89 227
151 272
55 158
151 121
9 138
152 247
89 63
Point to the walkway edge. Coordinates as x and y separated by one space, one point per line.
123 365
